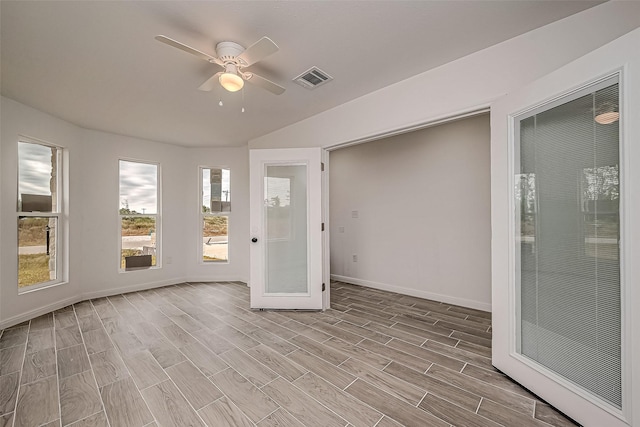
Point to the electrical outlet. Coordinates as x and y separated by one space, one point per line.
169 260
355 258
354 214
340 229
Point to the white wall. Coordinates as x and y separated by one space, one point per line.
423 202
237 160
93 212
19 120
461 85
99 203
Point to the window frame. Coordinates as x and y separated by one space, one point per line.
59 215
157 216
202 215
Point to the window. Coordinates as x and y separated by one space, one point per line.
39 215
215 208
139 218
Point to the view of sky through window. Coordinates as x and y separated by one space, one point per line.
35 169
139 187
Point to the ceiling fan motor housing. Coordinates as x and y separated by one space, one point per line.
228 51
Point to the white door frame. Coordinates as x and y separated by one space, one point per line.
619 55
326 236
313 298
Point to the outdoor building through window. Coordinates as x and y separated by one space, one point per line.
39 215
139 215
215 202
277 201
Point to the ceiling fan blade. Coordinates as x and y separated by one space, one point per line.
210 83
188 49
260 49
264 83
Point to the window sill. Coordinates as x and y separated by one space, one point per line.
213 262
35 288
134 269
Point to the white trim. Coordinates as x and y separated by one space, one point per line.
463 302
326 238
512 292
31 314
435 121
130 288
569 95
40 286
625 246
207 279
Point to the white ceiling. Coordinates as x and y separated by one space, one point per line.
96 63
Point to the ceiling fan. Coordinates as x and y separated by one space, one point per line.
233 58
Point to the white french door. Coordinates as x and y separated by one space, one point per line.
286 270
565 206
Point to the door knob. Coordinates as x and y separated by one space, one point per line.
254 240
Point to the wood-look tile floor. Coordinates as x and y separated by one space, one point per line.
194 354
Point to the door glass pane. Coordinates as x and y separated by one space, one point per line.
567 198
285 205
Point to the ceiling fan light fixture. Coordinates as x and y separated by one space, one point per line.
607 118
231 82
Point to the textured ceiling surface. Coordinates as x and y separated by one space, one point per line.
96 63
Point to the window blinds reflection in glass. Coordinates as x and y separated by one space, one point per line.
567 199
285 205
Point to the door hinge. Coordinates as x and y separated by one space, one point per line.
322 229
321 166
323 287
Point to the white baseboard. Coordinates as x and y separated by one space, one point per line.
7 323
214 279
415 293
142 286
130 288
